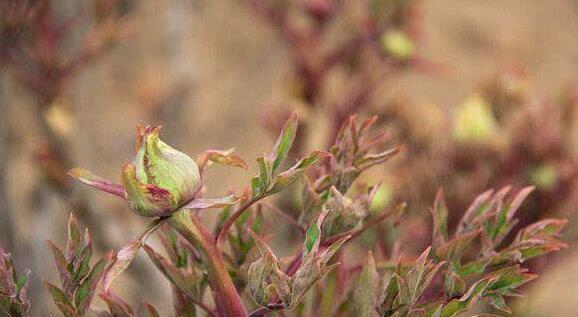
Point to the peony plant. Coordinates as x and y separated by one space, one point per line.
476 263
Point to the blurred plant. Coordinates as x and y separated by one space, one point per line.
502 134
340 53
38 47
476 262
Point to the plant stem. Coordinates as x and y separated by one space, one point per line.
231 220
296 261
356 232
263 310
225 294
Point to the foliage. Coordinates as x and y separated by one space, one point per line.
13 299
479 261
474 261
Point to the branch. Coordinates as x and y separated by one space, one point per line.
353 233
285 216
265 309
225 294
231 220
296 261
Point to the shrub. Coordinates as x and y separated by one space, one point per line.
477 262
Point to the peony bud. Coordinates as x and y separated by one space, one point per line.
158 181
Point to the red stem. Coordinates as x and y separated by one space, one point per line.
225 294
231 220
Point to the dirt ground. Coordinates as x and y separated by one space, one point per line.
219 65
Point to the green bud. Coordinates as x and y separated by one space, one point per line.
381 199
160 179
474 121
397 44
544 176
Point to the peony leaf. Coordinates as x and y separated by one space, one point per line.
120 260
204 203
284 142
97 182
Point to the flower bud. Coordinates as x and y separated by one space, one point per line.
160 179
398 44
474 121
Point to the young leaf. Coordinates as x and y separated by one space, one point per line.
204 203
97 182
85 292
60 299
313 235
116 305
120 260
366 292
284 142
74 241
186 283
286 178
62 267
440 219
225 157
474 294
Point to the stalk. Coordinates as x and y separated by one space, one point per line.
225 294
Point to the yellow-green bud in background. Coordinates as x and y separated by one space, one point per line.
159 179
398 44
544 176
474 121
381 199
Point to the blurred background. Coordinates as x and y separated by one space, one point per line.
480 93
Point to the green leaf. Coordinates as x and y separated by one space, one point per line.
326 255
288 177
178 277
462 304
63 268
365 295
371 160
545 227
389 294
121 259
440 219
499 303
479 207
508 279
260 270
454 285
82 263
85 292
256 186
225 157
313 235
74 242
453 250
284 142
97 182
311 238
60 299
421 275
204 203
116 305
